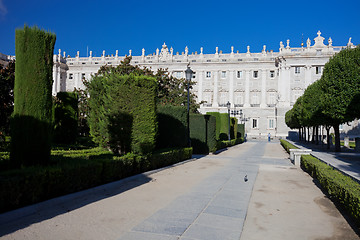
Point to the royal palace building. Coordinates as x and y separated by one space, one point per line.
261 87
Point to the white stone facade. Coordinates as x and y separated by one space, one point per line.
262 85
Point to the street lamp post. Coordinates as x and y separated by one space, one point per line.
188 75
228 107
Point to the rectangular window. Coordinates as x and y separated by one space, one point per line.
83 76
208 74
318 70
178 74
297 70
208 60
223 74
272 74
70 76
255 74
254 123
239 74
194 75
271 124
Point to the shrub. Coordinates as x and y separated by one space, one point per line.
240 130
203 133
65 117
112 96
172 126
76 170
287 146
32 117
341 188
222 125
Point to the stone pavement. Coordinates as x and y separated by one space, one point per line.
347 161
206 198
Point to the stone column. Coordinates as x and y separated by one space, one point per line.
307 75
200 86
231 88
263 88
247 88
216 89
284 86
55 77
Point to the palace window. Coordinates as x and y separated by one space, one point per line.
297 70
208 74
254 123
224 60
194 75
178 74
272 74
208 60
255 74
83 76
270 123
70 76
223 74
239 74
271 98
318 70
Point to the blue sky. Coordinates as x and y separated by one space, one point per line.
136 24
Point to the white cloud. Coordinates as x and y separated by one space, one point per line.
3 9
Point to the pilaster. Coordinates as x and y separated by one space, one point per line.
216 89
247 88
263 88
231 86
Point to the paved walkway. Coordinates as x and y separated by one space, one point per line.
206 198
347 161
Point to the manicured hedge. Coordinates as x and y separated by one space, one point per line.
222 126
203 133
73 171
341 188
233 128
224 144
31 122
240 130
123 112
172 126
287 146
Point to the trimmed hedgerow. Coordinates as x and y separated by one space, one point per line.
73 171
123 112
222 125
203 133
341 188
287 146
224 144
31 122
172 130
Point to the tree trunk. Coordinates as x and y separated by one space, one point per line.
300 134
317 135
328 137
337 138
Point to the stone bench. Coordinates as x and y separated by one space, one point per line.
295 155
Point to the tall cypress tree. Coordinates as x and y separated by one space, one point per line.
32 117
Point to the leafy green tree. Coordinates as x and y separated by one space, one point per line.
171 90
340 83
31 122
7 78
